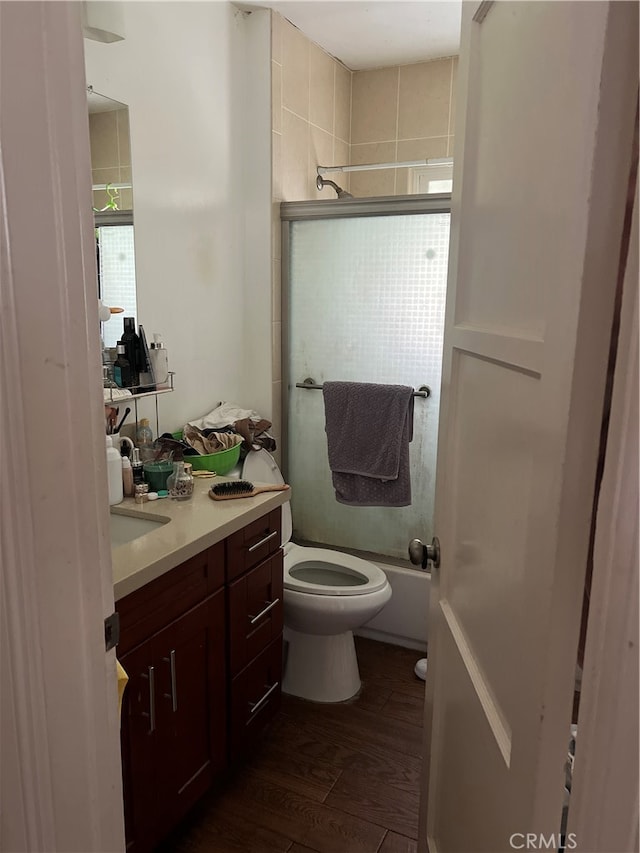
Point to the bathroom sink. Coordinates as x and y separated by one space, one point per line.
126 528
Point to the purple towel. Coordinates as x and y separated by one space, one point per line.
369 428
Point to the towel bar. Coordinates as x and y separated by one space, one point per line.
312 385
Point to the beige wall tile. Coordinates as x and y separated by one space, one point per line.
124 144
103 133
126 200
295 158
425 90
276 37
295 71
454 84
276 97
276 291
342 118
378 182
374 105
450 146
375 152
341 154
373 184
416 149
320 154
276 165
321 88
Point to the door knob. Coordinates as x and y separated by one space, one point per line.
421 555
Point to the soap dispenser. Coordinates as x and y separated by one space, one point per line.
114 473
159 362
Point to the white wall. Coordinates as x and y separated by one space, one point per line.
186 73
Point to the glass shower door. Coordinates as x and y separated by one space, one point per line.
366 304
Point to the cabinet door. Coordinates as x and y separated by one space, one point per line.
139 737
255 612
190 659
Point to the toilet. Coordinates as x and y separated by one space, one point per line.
327 594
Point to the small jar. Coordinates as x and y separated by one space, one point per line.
141 492
180 482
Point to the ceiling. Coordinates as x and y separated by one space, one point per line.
364 34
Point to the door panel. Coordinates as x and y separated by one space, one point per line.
537 213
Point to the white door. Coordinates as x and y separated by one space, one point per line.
546 106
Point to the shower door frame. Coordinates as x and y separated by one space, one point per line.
345 208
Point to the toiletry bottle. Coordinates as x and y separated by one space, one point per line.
131 343
127 477
144 440
114 473
147 379
122 369
137 467
159 362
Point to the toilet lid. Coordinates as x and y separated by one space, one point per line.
319 571
260 467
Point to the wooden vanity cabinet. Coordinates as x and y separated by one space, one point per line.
202 646
173 731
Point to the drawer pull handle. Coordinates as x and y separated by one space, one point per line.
255 706
263 540
151 675
270 604
171 660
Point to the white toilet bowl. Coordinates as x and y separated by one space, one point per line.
327 594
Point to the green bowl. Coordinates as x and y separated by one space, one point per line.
221 462
157 473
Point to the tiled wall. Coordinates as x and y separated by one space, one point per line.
324 114
311 116
405 112
111 155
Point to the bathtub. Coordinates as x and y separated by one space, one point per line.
404 620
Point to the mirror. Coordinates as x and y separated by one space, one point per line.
113 209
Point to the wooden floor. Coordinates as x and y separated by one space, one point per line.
338 778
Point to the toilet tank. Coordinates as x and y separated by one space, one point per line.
260 467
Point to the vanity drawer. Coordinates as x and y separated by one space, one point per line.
255 611
147 610
252 544
255 698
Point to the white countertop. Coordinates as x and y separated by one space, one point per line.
191 527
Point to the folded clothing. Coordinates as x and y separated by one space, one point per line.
369 427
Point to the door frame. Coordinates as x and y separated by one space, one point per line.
60 781
603 807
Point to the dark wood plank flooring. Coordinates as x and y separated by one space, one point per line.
340 778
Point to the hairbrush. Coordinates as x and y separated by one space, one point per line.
241 489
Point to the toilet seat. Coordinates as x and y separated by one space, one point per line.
314 571
340 574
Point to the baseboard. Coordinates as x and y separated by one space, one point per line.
393 639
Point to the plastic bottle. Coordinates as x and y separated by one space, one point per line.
114 473
122 369
159 362
131 343
127 477
144 440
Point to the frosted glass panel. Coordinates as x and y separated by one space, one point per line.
366 300
117 277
